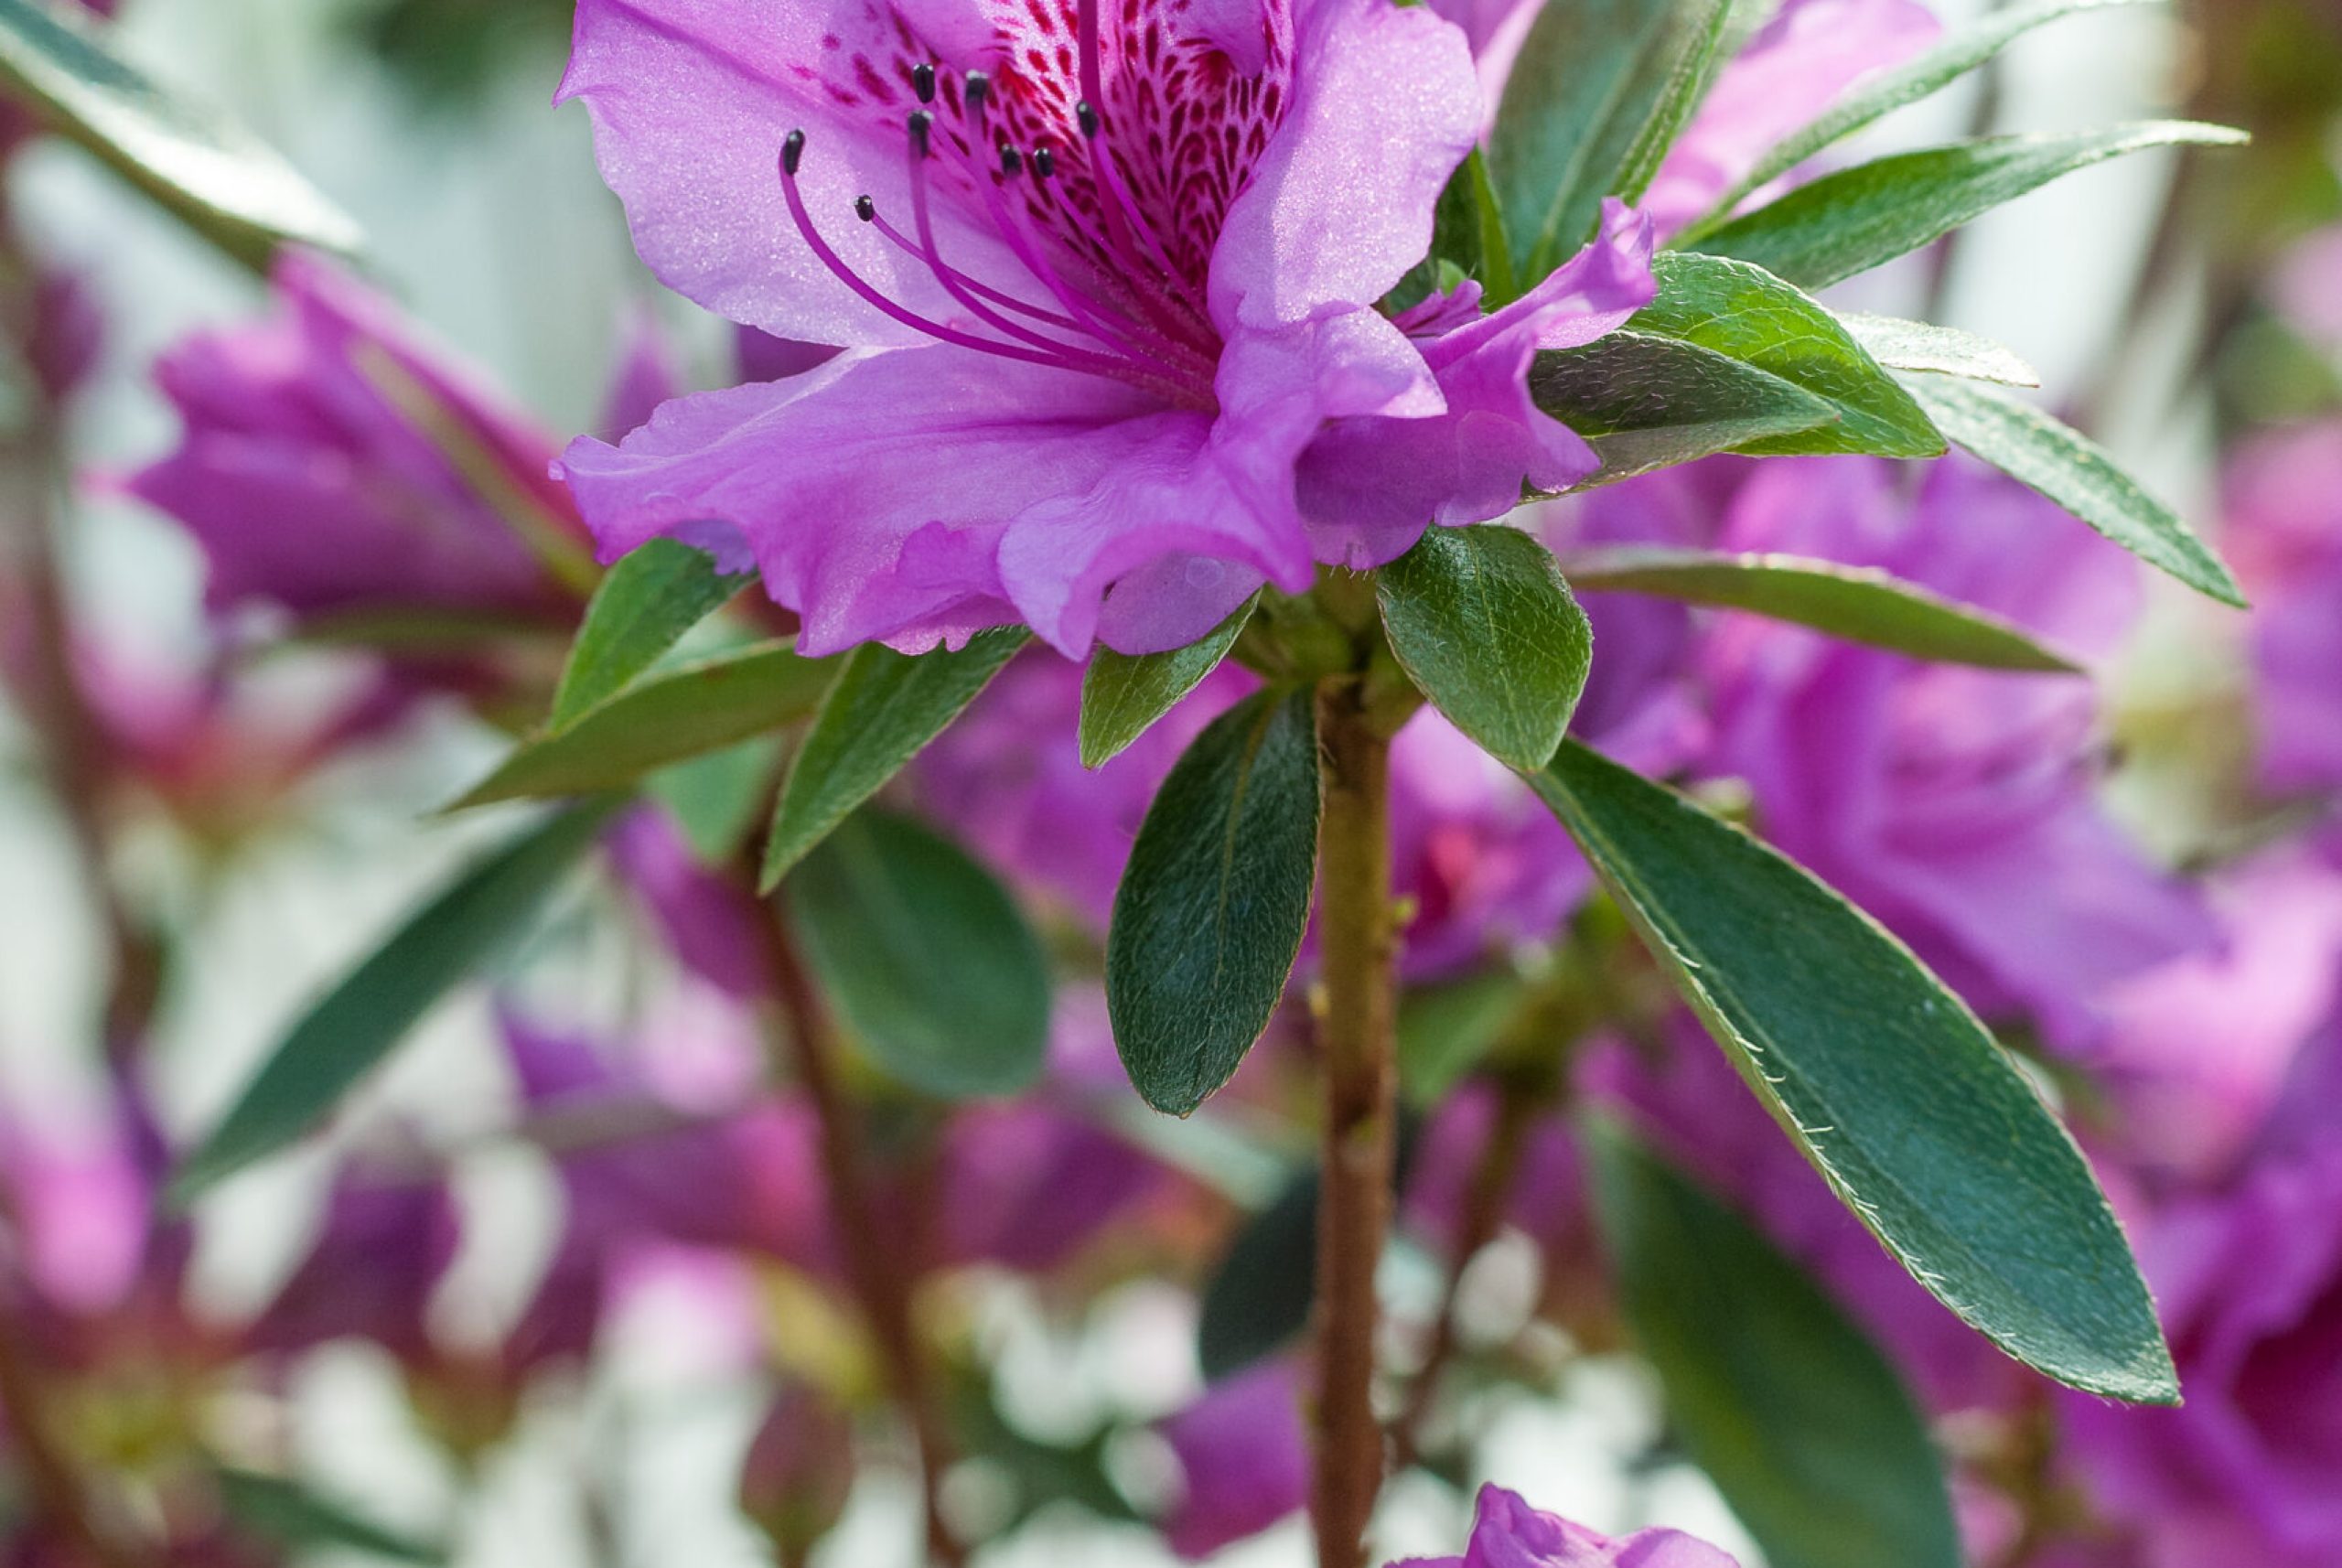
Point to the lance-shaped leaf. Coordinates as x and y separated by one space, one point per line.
1801 1422
1212 905
642 608
1953 56
2066 466
469 926
925 956
1483 624
1123 695
885 708
208 172
1745 314
1890 1085
682 713
1861 604
1258 1299
1856 219
1902 345
1575 121
1646 402
292 1514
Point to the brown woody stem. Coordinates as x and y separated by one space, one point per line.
1356 1031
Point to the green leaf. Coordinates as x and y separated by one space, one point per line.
1861 604
657 593
1801 1422
925 956
1467 240
1258 1299
1483 624
686 711
1214 899
1852 220
1573 125
718 798
884 707
466 928
207 171
1745 314
291 1514
2066 466
1123 695
1447 1029
1952 57
1940 350
1916 1117
1644 403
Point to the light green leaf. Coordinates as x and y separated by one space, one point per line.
293 1515
883 709
1213 902
2066 466
204 169
658 592
469 926
1861 604
925 955
686 711
1953 56
1906 1105
1941 350
1646 402
1852 220
1483 624
1591 77
1801 1422
1745 314
1123 695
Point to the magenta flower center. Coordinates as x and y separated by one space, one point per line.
1105 159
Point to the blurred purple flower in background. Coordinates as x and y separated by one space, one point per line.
1244 1455
2283 503
1509 1533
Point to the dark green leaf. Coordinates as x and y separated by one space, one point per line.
2072 470
1852 220
207 171
291 1515
1941 350
475 920
1801 1422
642 608
884 707
1573 126
685 712
925 956
1900 1098
1213 902
1959 52
1745 314
1258 1300
1123 695
1646 402
1483 624
1861 604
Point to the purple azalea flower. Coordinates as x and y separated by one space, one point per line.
1114 358
2282 498
1027 1186
2198 1052
2250 1284
709 922
1954 804
1245 1457
1508 1533
313 492
1546 1199
369 1273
